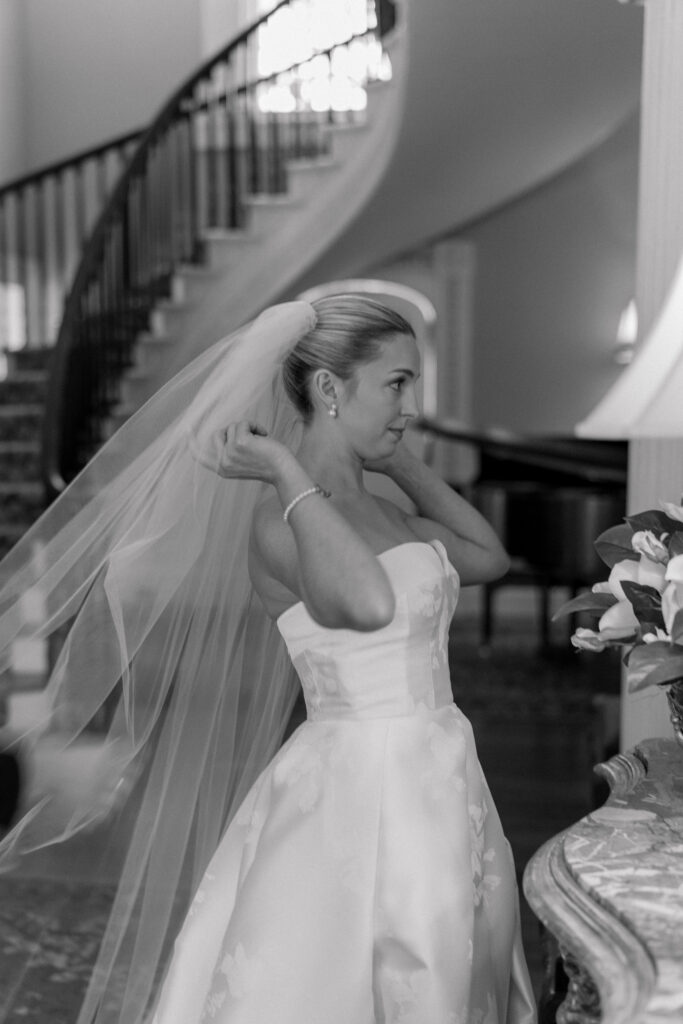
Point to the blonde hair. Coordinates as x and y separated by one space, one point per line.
349 331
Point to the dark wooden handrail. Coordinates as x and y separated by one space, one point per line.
177 182
73 160
596 462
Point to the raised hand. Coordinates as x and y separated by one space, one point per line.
242 451
388 464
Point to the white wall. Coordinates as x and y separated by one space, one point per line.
97 68
553 270
12 121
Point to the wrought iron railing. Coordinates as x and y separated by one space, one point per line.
227 133
45 218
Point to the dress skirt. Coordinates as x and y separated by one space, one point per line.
364 880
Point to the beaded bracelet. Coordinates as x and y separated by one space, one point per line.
300 497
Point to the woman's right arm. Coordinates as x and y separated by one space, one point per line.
316 554
319 557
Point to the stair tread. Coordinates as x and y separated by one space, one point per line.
25 377
21 486
147 338
228 234
265 199
172 305
16 408
305 163
193 270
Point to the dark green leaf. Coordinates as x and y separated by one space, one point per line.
589 602
614 545
654 652
648 627
646 659
669 670
676 543
646 602
655 520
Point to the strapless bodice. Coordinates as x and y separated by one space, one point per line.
391 671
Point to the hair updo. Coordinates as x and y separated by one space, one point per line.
348 332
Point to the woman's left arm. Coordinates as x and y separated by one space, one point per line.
472 545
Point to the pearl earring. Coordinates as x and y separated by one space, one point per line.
332 411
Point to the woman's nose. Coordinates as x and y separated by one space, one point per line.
409 406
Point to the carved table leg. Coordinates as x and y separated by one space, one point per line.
582 1005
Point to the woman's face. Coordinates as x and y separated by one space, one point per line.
380 399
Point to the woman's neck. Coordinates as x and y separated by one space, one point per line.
338 471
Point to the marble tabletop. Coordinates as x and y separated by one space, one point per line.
610 889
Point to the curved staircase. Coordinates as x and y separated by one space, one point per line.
225 204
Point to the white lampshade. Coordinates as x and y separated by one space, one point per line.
647 399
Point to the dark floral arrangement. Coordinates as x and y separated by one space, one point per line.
640 606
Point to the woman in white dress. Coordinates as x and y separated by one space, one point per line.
363 877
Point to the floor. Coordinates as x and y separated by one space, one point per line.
542 719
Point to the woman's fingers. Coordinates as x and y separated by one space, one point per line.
236 451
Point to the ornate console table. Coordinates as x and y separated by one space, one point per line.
610 890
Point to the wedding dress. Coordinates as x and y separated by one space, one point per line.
365 878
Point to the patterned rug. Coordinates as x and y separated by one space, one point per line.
49 937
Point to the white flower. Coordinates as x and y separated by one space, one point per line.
672 602
588 640
674 570
673 511
618 622
659 634
644 571
645 542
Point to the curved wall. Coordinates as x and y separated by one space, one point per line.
554 272
499 97
12 87
97 68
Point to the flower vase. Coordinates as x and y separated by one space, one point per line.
674 695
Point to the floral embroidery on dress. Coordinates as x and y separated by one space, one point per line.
243 973
319 680
487 1016
305 767
484 882
447 763
200 895
407 993
214 1003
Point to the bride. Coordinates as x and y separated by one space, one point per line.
363 877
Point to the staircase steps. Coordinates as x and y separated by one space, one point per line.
223 252
22 404
21 421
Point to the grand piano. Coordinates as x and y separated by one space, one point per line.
548 498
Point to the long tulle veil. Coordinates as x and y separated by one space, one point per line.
142 565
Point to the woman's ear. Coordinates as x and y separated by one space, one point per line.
324 388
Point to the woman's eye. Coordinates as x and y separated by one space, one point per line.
397 384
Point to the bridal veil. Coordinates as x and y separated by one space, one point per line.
141 566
